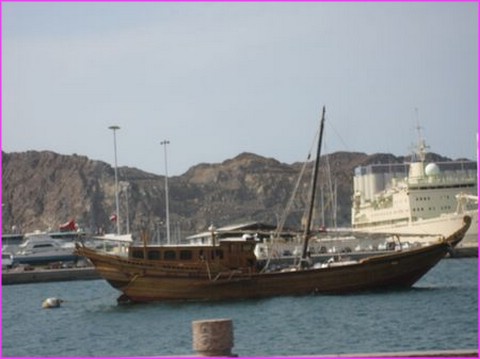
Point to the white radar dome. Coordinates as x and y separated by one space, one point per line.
432 170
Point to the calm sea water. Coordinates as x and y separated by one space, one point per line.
439 312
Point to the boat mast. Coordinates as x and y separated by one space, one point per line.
306 235
165 143
114 128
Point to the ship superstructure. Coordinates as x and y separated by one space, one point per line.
416 198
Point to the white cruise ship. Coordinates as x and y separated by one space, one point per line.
416 198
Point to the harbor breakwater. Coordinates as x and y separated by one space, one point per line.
39 275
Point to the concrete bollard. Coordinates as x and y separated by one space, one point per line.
213 337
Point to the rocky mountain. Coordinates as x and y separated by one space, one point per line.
42 190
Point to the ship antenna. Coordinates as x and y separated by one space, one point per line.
421 147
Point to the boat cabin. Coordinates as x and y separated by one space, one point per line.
230 254
43 243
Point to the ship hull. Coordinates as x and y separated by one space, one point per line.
425 229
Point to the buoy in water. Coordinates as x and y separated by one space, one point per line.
51 303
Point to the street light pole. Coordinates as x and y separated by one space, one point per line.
165 143
114 129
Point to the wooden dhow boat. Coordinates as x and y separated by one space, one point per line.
228 270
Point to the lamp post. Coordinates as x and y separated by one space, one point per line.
165 143
114 129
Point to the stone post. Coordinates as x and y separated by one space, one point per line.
213 337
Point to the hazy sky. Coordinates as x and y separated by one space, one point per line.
218 79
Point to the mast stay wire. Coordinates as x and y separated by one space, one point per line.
346 147
286 212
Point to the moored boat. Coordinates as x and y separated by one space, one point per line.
416 198
229 270
43 249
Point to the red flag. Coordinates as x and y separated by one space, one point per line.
69 226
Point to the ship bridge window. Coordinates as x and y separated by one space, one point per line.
155 255
46 245
186 255
169 255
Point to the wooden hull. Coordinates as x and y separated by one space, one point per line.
144 282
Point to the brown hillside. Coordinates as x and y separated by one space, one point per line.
42 190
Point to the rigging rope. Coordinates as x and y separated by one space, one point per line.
286 212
